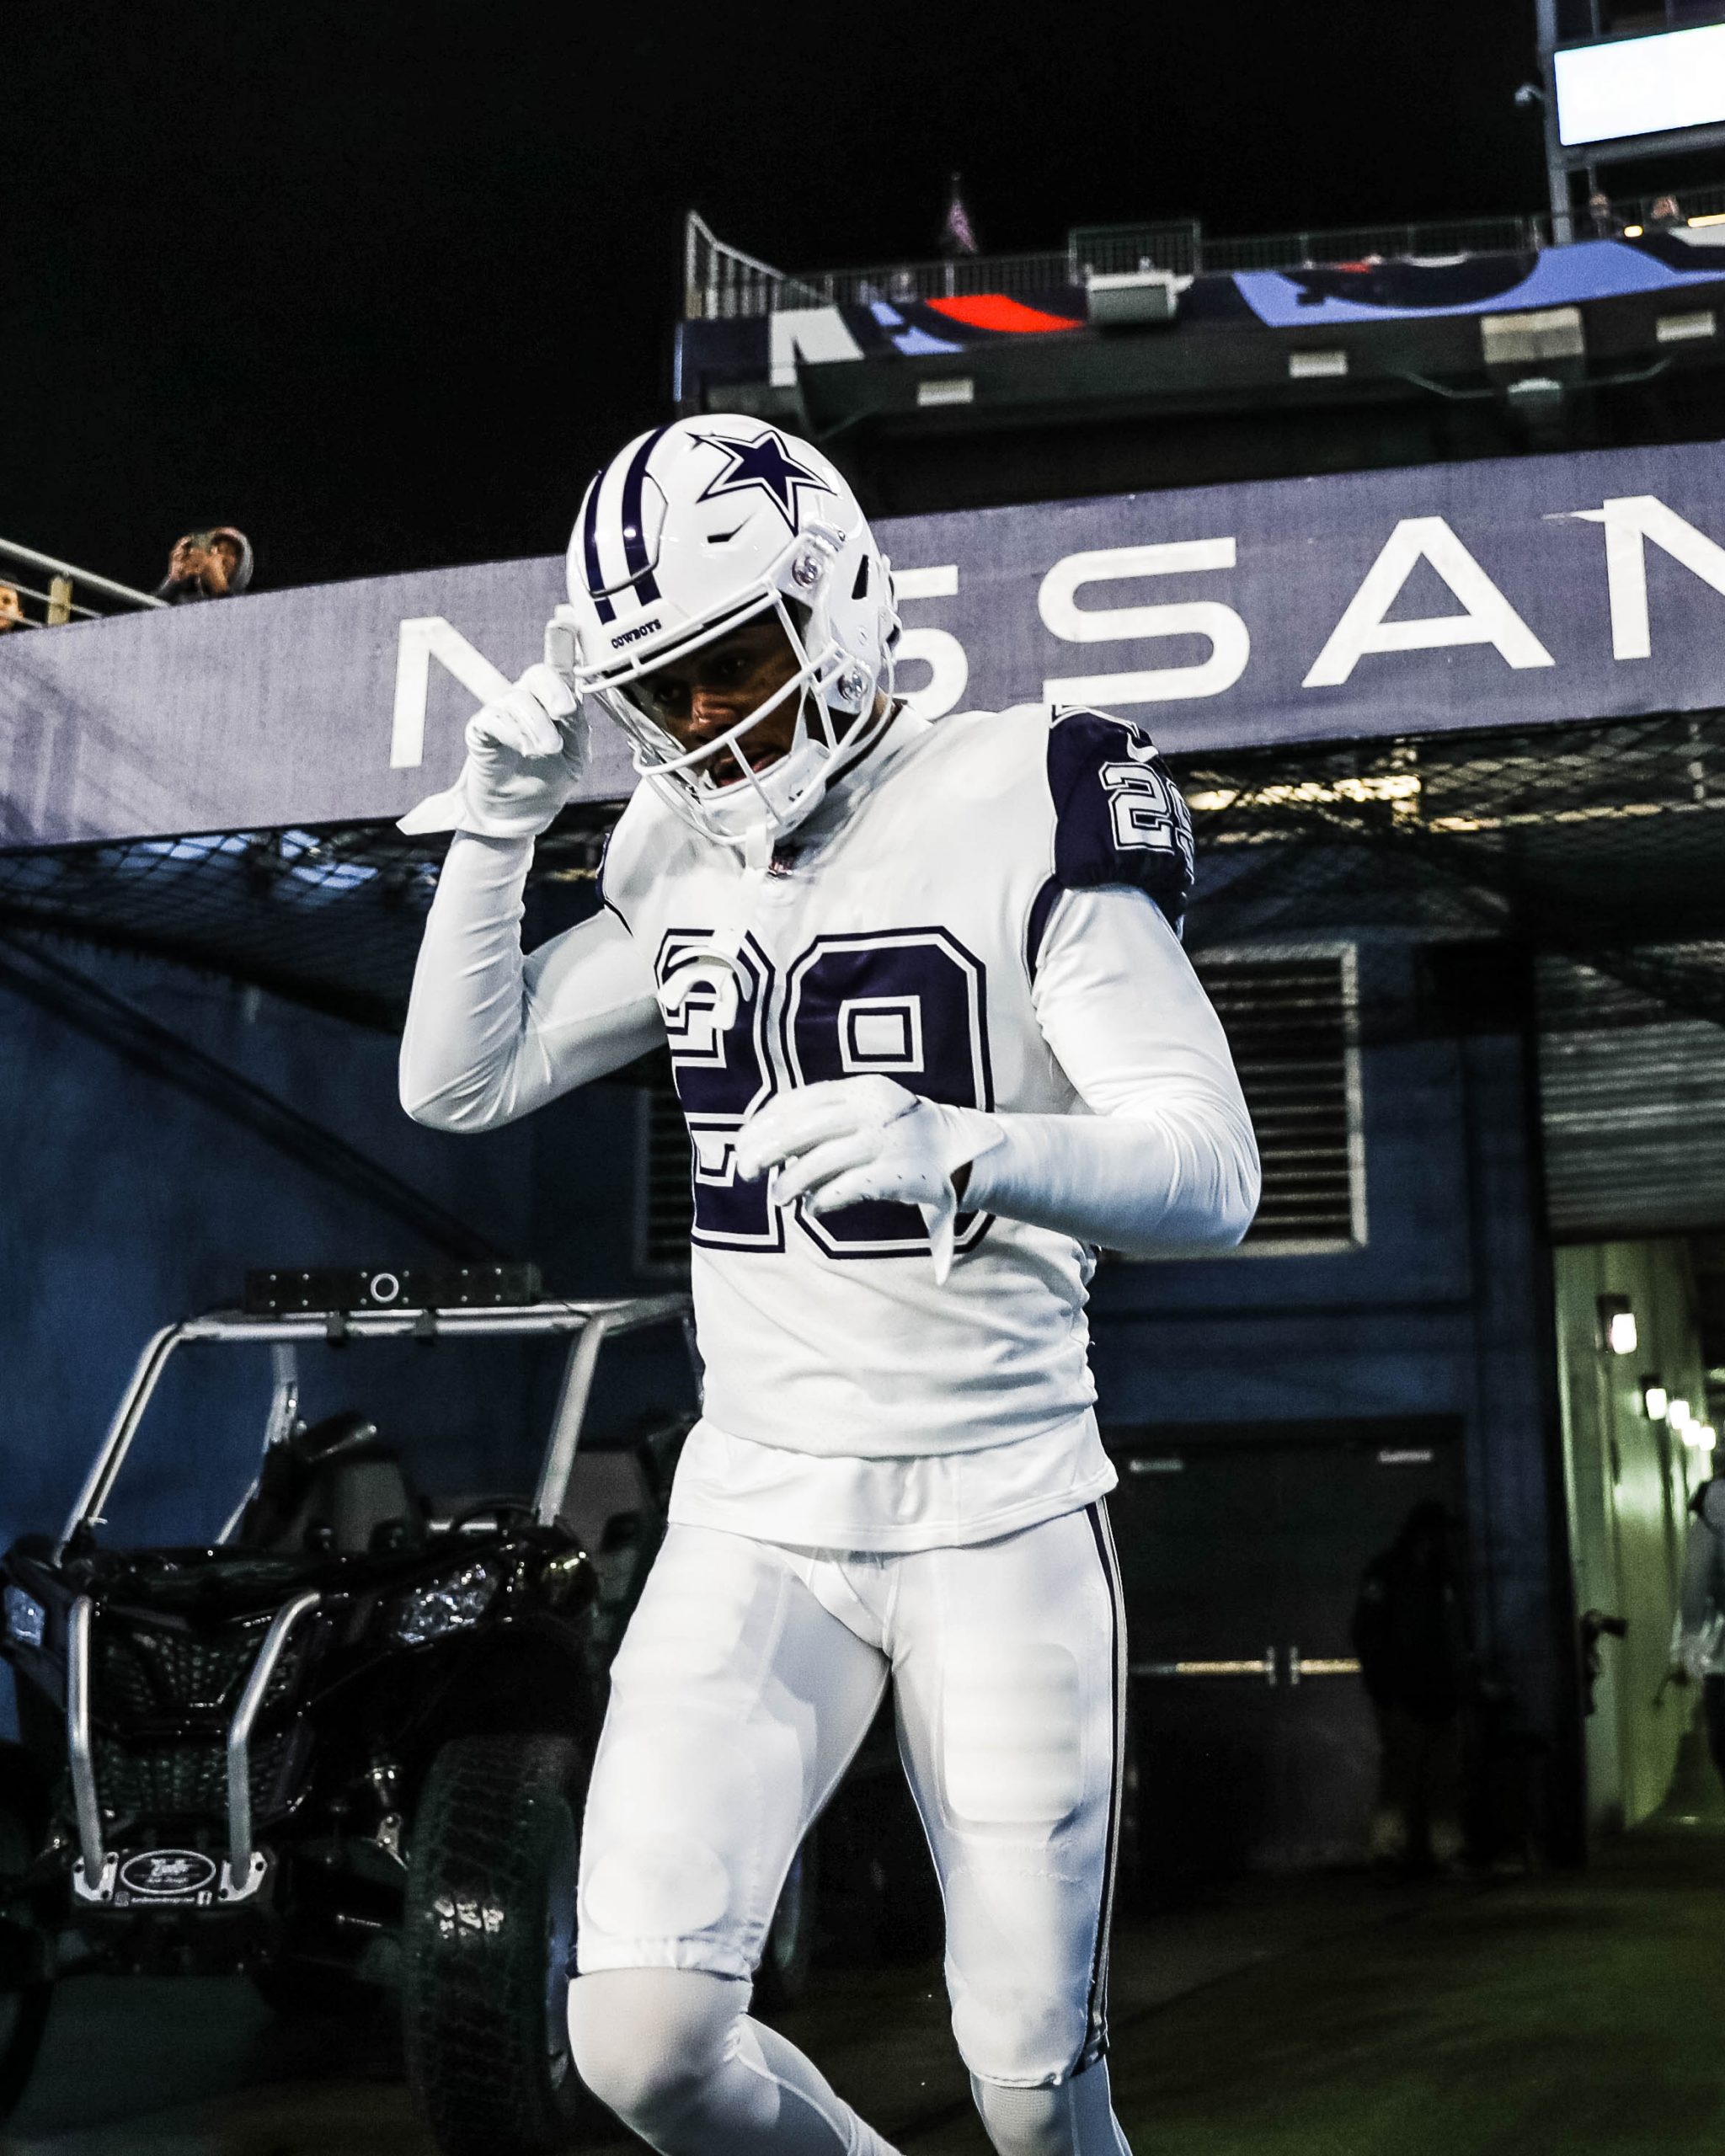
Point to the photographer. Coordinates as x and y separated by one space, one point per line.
215 565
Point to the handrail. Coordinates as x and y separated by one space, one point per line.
1698 204
1347 244
57 568
49 598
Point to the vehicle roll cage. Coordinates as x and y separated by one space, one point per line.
587 1326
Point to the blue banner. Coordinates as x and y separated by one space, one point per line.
1508 592
1505 592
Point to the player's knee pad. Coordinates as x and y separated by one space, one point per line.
1074 2118
646 2041
643 1882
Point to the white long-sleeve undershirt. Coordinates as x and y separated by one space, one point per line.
1164 1160
491 1035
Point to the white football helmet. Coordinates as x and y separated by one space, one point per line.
690 531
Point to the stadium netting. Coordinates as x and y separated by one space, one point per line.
1602 846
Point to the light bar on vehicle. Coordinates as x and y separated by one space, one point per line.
289 1294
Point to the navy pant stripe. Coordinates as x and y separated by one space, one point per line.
1096 2040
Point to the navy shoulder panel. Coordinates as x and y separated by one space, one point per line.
1119 816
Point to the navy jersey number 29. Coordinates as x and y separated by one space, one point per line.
909 1004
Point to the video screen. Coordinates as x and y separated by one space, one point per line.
1641 85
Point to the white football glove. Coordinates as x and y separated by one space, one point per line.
526 755
850 1138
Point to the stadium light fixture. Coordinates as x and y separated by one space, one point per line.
1654 1399
1617 1330
1678 1415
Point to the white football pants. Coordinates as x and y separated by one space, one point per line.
749 1676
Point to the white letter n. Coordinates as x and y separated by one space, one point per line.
422 640
1629 521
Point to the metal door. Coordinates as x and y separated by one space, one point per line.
1241 1552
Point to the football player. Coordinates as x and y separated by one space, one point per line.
937 1041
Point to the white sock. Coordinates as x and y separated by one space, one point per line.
1075 2119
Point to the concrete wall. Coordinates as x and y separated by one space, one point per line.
1445 1311
126 1203
1628 1483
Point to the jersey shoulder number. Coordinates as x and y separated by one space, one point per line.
1119 816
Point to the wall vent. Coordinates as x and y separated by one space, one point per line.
1292 1020
665 1204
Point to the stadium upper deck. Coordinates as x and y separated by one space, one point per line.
1152 356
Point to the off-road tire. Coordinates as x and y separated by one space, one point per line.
490 1909
25 1993
789 1955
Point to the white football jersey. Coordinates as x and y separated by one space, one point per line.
899 931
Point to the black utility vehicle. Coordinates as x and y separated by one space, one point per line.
343 1745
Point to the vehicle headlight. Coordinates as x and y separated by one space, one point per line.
444 1604
26 1619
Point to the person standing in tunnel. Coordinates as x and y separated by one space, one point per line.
1411 1638
1698 1631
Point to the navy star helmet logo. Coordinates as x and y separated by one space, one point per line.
763 466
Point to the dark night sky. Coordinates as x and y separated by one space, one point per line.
382 284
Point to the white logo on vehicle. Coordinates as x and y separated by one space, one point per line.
167 1872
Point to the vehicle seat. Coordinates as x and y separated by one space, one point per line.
607 1490
333 1486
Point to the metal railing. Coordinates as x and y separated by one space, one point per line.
906 282
1357 243
59 602
1633 214
720 283
1175 244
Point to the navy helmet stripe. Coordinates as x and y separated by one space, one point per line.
634 545
590 551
